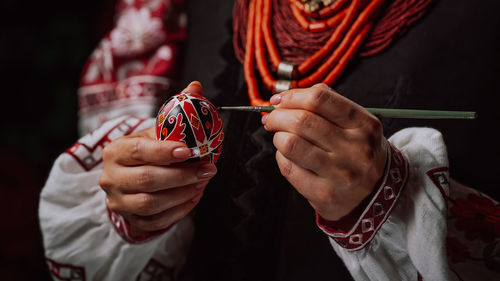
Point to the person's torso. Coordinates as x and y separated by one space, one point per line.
251 224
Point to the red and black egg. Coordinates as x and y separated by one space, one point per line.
194 120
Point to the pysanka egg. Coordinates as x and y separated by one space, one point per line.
194 120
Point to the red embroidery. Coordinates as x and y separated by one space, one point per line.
456 250
66 272
89 154
133 60
478 216
378 210
144 88
439 176
122 227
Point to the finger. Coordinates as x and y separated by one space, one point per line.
146 204
155 178
148 133
302 152
194 88
136 150
332 199
327 103
308 125
342 166
166 218
304 181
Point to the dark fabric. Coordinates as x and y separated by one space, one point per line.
251 224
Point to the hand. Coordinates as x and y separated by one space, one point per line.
329 148
146 181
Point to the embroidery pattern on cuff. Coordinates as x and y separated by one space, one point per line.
379 208
68 272
122 227
87 152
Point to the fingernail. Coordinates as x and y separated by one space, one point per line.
195 83
182 153
264 119
275 99
206 171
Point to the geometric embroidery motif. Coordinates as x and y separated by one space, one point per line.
388 193
441 179
65 272
124 127
439 176
397 159
367 225
375 214
88 154
89 160
356 239
378 209
395 175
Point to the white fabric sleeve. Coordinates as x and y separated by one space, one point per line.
82 240
401 234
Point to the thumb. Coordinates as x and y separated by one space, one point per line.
194 88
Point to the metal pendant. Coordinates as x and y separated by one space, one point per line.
316 5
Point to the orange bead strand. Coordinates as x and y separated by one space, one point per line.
351 22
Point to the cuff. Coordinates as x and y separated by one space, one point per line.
362 224
122 226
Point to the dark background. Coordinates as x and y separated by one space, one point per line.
43 46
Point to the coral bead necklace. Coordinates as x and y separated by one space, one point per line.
349 23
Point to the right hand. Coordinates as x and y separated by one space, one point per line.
146 181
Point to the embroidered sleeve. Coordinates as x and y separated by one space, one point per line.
81 238
362 231
473 238
122 227
134 64
401 233
131 69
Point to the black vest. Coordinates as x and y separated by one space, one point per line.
251 224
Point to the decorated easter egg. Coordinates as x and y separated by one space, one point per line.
194 120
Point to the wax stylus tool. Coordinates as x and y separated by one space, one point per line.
267 108
382 112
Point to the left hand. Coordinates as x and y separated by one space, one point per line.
330 149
